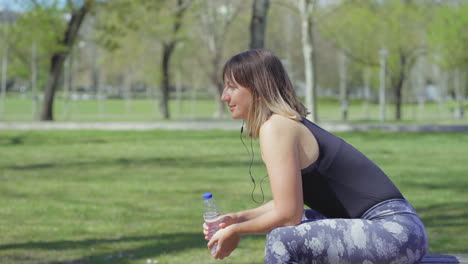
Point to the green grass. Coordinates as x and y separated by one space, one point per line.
135 197
21 109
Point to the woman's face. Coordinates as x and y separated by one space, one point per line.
238 98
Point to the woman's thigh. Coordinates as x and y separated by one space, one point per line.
395 239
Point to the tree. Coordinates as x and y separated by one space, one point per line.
448 40
77 15
4 69
215 20
258 23
406 42
7 28
305 8
126 44
311 16
168 49
28 60
342 72
166 31
365 27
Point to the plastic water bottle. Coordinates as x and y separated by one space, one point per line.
211 214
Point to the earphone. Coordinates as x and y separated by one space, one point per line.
251 155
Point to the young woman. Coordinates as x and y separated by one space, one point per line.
357 214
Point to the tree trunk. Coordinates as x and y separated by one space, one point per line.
459 94
420 85
398 99
305 7
193 97
58 58
178 87
258 23
383 82
218 85
127 91
313 92
168 49
441 84
55 74
220 105
4 78
165 82
3 84
35 102
95 78
343 86
367 92
400 79
67 85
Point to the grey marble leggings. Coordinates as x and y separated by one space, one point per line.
389 232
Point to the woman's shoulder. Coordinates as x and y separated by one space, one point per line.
277 121
279 125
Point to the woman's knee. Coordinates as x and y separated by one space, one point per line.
282 234
277 247
276 236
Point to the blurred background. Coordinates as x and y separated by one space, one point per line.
359 61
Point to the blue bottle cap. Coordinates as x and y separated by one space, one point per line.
207 195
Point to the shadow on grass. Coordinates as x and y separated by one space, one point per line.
154 247
24 139
38 138
428 187
179 162
444 215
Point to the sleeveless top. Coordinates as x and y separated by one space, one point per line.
343 182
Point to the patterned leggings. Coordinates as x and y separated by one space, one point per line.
390 232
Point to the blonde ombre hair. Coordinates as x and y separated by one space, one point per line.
263 74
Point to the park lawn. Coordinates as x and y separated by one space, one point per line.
135 197
21 109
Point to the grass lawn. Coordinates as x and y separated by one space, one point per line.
20 109
135 197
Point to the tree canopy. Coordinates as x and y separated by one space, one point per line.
131 38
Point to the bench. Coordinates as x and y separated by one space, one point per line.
444 258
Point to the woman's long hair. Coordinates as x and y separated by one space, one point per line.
263 74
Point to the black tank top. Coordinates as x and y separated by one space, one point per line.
343 182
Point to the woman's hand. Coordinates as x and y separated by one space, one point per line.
226 220
226 240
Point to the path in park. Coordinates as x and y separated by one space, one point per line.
221 125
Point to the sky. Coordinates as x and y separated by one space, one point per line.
11 4
16 5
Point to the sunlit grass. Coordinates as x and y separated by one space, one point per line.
135 197
329 110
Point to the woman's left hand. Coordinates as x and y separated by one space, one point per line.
227 241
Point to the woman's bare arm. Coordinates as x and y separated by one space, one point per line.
278 141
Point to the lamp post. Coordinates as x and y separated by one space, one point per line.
383 69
